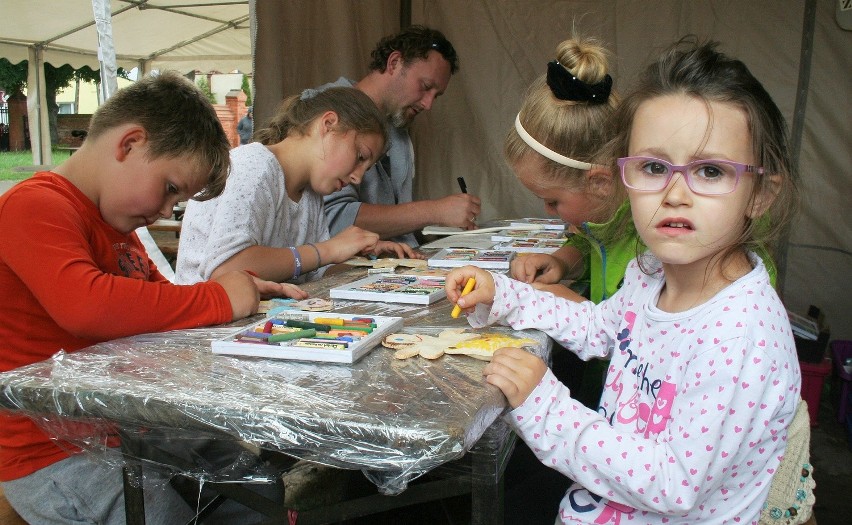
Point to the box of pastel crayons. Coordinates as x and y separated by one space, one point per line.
310 336
393 288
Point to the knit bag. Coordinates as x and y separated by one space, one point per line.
791 494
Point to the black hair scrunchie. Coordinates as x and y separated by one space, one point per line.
566 86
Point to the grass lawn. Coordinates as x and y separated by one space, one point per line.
11 159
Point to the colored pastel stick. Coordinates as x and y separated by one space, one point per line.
362 328
343 338
305 324
254 335
329 320
331 337
471 282
353 322
283 329
289 336
348 333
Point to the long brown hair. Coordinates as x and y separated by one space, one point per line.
695 68
355 111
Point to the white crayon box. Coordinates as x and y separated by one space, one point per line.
309 336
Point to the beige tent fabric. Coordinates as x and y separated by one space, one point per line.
305 44
504 44
819 265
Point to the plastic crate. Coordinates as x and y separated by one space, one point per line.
841 351
813 380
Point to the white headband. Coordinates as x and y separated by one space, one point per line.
547 152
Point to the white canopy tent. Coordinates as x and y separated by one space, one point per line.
183 35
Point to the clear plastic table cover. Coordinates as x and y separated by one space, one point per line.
392 419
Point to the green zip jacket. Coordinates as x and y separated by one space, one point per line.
605 263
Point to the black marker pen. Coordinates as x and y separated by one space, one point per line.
462 185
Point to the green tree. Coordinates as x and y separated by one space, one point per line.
13 77
57 78
13 80
246 89
204 86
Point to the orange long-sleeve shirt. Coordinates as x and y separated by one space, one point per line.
68 280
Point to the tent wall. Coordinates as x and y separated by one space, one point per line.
504 44
819 256
292 57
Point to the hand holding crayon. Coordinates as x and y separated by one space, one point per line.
471 282
474 284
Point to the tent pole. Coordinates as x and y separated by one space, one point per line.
37 108
404 13
798 127
106 48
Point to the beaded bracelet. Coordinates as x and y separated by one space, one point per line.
319 257
297 270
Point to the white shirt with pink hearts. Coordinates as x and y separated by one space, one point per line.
693 419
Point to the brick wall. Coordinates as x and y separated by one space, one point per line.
230 114
226 117
65 124
18 138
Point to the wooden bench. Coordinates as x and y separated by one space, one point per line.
166 225
69 149
161 231
31 169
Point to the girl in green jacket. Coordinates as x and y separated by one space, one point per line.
555 150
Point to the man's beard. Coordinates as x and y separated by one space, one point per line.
400 119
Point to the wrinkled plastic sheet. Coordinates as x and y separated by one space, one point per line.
178 406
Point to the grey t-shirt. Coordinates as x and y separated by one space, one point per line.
377 186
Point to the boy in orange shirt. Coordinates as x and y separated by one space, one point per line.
74 273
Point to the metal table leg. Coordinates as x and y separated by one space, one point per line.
488 463
134 497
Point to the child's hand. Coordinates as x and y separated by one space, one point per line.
399 249
351 241
538 267
269 289
516 372
483 291
242 292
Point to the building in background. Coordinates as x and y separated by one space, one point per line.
78 101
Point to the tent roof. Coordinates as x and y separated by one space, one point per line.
185 35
